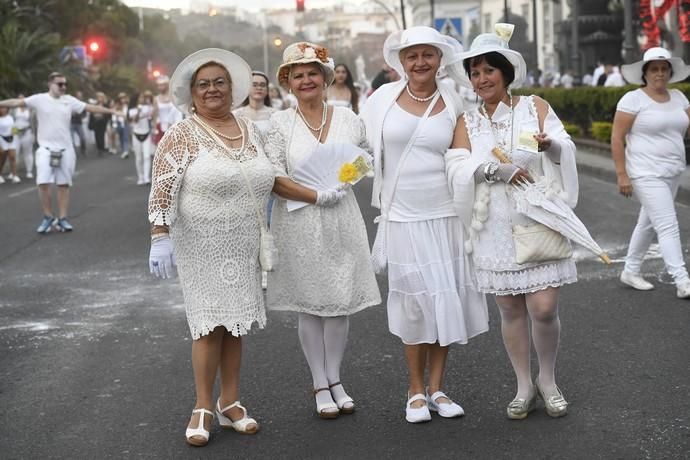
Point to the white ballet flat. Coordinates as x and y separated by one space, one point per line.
417 414
193 434
447 410
241 425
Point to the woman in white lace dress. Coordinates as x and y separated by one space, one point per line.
534 140
324 272
200 197
432 300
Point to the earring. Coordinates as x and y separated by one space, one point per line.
192 109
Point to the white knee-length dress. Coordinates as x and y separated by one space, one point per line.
200 192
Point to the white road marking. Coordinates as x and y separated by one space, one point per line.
33 189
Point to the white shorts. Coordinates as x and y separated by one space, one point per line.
61 175
11 145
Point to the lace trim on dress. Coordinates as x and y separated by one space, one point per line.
237 329
527 280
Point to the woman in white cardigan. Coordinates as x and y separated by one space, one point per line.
532 137
432 300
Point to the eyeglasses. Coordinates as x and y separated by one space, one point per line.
62 84
259 85
218 83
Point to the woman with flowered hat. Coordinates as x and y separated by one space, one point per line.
506 140
432 302
210 185
324 272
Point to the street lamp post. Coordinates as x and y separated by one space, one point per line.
402 13
575 39
629 41
265 40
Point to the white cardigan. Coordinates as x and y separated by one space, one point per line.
374 113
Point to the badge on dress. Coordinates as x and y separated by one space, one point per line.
527 142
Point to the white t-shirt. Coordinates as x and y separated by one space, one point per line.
22 118
54 115
422 191
168 114
6 124
143 125
654 146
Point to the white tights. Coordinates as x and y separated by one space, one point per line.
542 308
323 342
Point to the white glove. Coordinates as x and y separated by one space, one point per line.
328 198
162 258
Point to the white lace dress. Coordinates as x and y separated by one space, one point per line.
493 249
199 192
323 262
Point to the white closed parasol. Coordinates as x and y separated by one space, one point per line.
540 201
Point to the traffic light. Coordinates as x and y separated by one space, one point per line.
300 6
94 47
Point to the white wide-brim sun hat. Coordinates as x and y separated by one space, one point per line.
419 35
486 43
633 72
181 80
305 53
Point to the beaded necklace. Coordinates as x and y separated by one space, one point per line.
218 133
419 99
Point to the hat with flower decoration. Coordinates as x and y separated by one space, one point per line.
305 53
496 42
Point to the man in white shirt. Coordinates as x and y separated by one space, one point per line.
614 79
55 157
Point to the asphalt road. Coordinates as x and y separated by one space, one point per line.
95 360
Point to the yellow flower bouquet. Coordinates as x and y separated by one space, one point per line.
352 172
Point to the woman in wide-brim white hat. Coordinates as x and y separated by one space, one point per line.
535 144
324 274
432 302
201 206
649 152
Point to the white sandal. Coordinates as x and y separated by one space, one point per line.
448 410
417 414
240 425
327 409
341 403
199 431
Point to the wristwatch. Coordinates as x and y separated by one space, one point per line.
490 169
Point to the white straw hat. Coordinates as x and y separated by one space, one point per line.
181 80
419 35
633 72
486 43
305 53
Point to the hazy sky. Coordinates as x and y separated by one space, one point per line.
245 4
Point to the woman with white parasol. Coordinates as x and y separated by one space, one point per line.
525 131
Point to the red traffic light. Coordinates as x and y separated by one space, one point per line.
300 6
94 46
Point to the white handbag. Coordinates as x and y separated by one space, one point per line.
539 243
379 249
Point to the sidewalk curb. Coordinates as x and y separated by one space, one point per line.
597 162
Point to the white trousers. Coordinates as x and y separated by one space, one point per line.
657 216
142 158
25 150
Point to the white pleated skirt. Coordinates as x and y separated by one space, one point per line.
432 294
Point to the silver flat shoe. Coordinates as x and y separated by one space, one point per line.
520 407
556 405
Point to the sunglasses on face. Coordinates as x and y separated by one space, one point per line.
61 84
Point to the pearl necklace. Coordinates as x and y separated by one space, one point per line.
218 133
420 99
324 116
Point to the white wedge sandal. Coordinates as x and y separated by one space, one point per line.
193 434
240 425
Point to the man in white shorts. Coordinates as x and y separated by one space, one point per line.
55 157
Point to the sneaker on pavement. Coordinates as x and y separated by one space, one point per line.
15 179
683 290
2 180
62 225
29 175
125 154
635 281
46 225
